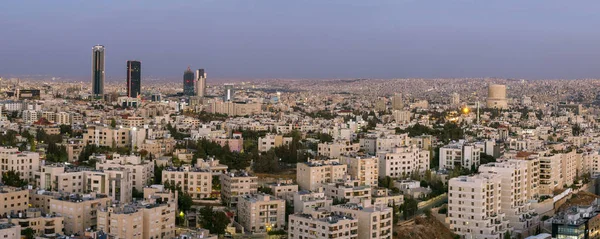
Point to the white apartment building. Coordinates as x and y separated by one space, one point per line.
141 172
121 221
460 154
30 116
306 201
195 181
349 190
474 207
401 116
374 221
404 161
515 194
236 184
9 230
365 170
550 173
261 212
312 174
114 182
337 149
322 226
63 118
13 200
24 163
284 189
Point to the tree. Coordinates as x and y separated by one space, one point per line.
265 190
29 233
158 173
66 129
507 235
215 222
137 194
143 153
184 202
113 123
12 178
409 207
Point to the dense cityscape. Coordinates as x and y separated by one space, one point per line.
358 158
338 119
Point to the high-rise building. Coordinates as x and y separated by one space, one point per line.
228 93
134 78
455 99
200 82
188 82
98 71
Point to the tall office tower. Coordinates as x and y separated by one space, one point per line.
397 103
188 82
98 71
497 97
134 78
200 82
229 92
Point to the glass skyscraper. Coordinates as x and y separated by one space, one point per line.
188 82
98 71
134 78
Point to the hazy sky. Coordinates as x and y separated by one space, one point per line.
305 39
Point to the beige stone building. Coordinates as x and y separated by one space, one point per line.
322 226
374 221
261 212
284 189
9 230
41 223
312 174
270 141
141 171
121 222
195 181
235 184
348 190
13 200
306 201
364 169
515 194
79 211
114 182
106 136
474 206
24 163
337 149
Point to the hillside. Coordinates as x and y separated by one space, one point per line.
422 228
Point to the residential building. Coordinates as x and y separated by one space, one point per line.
235 184
312 174
364 169
461 153
13 200
261 212
474 206
141 171
42 224
337 149
121 221
322 226
24 163
196 182
10 230
515 194
577 222
374 221
284 189
79 211
307 201
270 141
403 161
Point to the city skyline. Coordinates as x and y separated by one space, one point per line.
390 39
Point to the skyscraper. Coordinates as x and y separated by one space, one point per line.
98 71
188 82
200 82
134 78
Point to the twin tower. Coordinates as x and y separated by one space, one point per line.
134 74
194 84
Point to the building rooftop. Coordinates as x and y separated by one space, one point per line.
332 218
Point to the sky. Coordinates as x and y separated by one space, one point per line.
315 39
